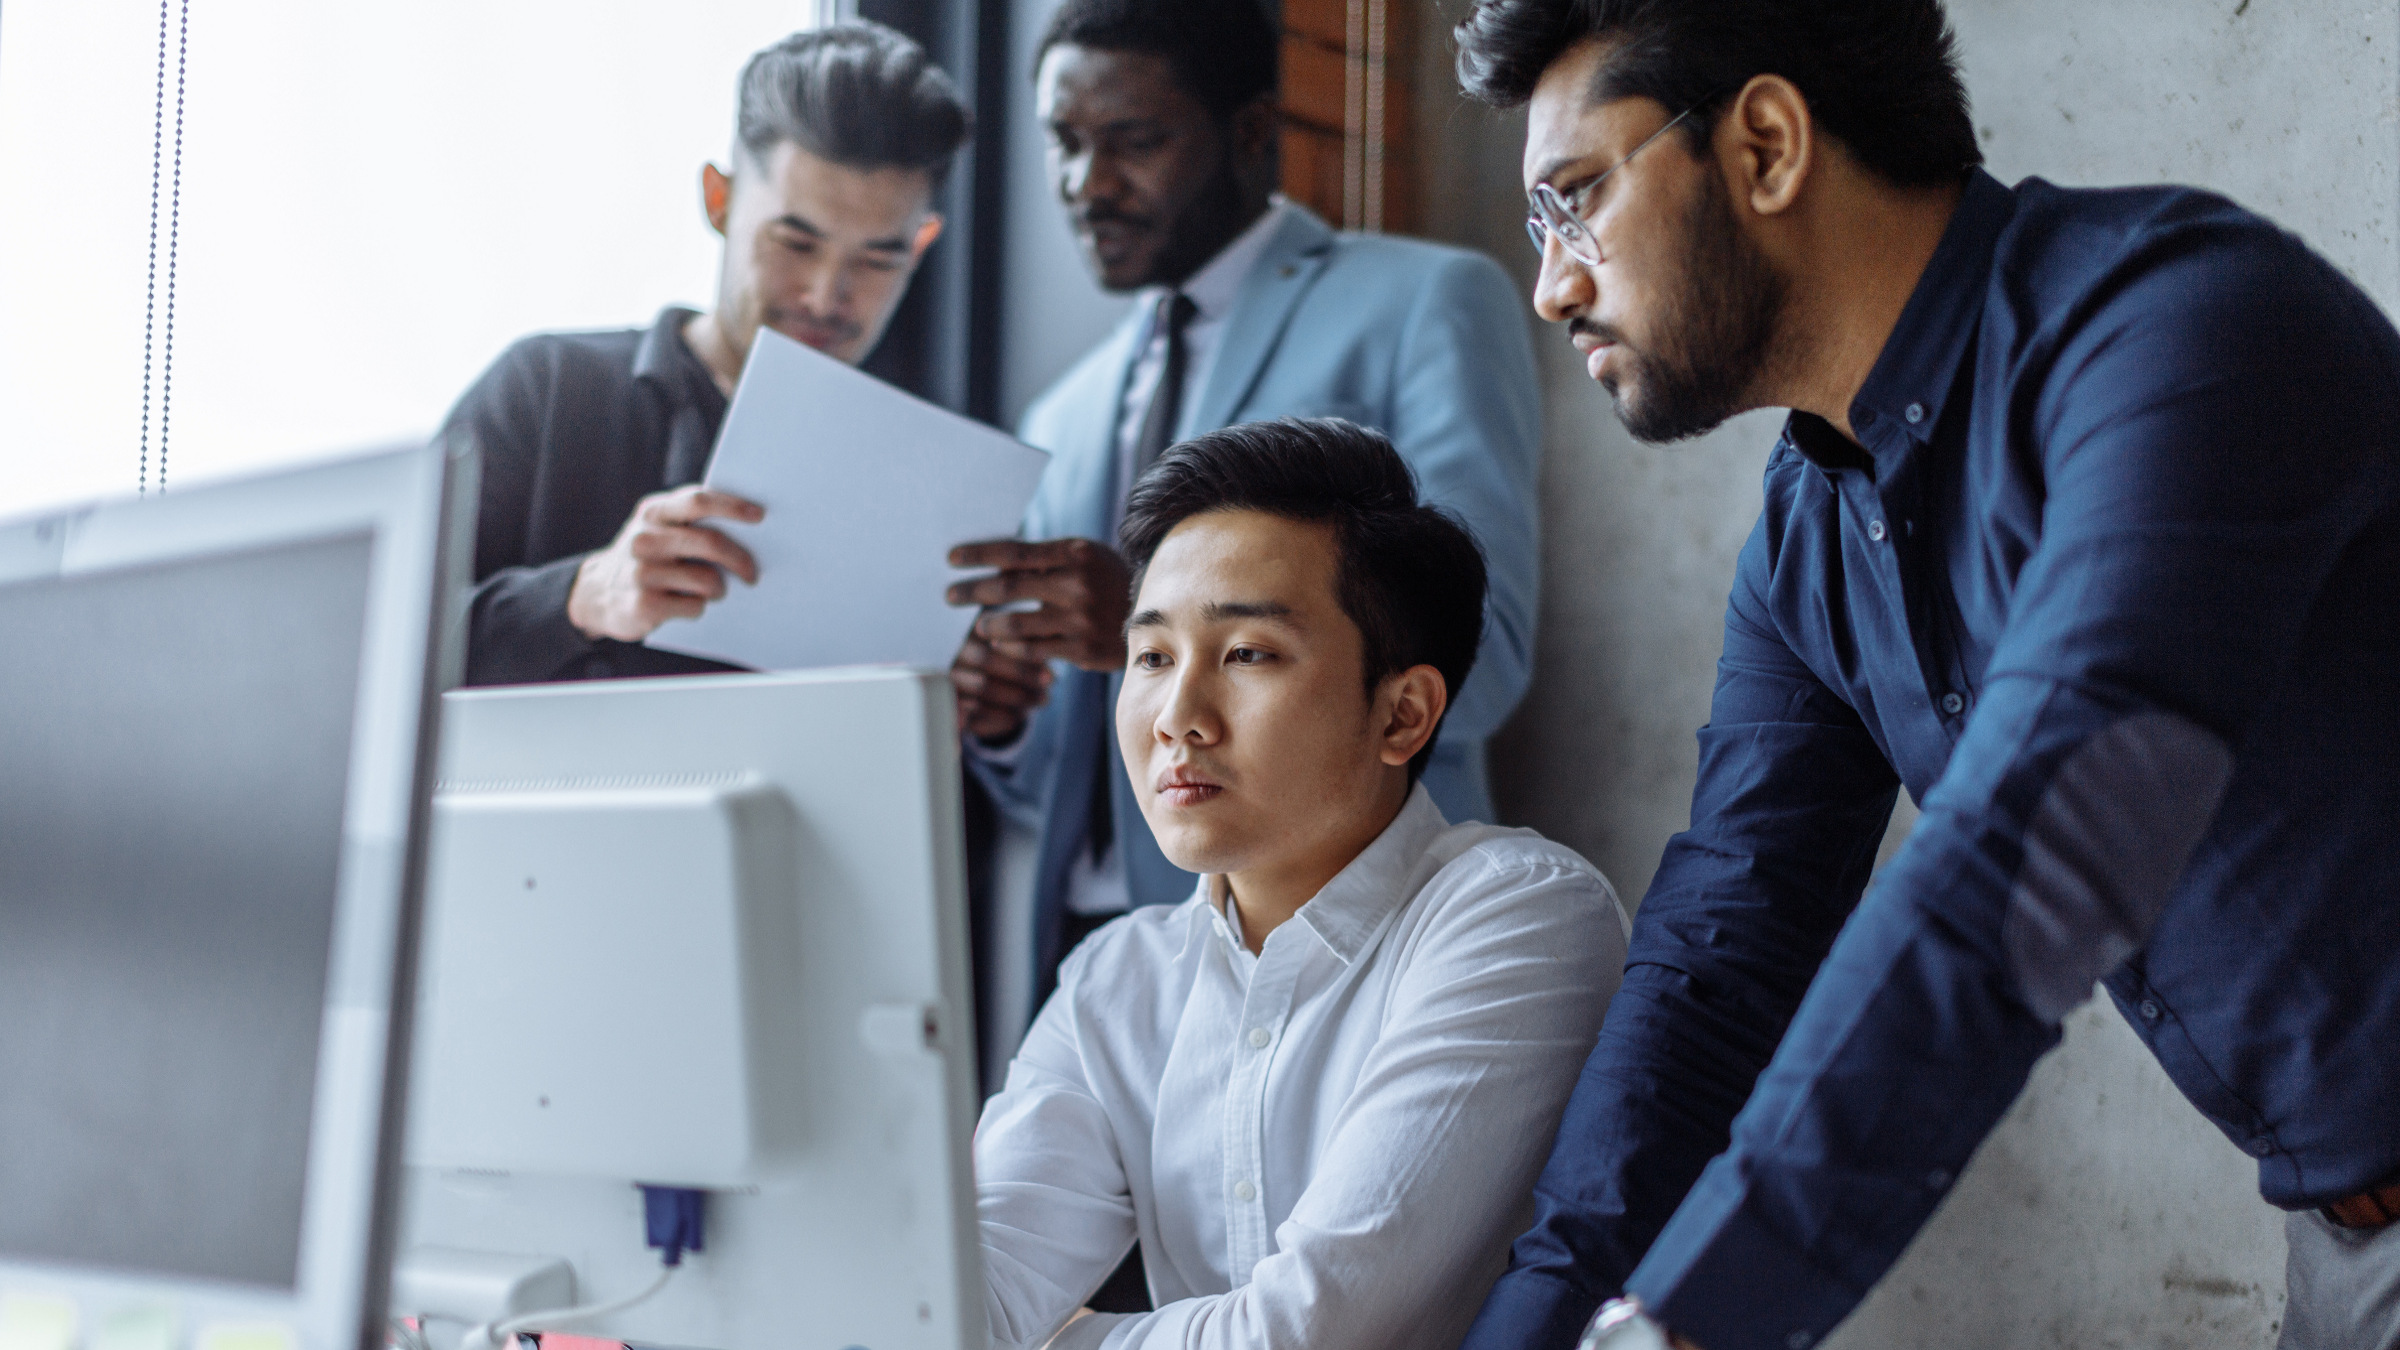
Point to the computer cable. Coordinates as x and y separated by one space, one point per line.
502 1335
673 1217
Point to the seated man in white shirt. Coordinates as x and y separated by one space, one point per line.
1316 1093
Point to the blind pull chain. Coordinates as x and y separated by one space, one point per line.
150 328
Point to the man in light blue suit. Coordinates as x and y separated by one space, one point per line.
1162 125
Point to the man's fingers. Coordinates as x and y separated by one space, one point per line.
656 607
990 725
680 578
685 505
698 543
984 687
1018 553
1073 650
1030 672
1031 626
1014 666
1063 590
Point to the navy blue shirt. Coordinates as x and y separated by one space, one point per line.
2113 589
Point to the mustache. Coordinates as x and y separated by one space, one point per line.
843 330
1581 327
1089 216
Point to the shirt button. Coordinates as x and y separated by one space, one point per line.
1937 1179
2262 1147
1875 530
2150 1010
1954 703
1801 1340
1259 1038
1915 413
1244 1192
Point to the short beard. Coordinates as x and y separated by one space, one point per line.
1715 334
1207 223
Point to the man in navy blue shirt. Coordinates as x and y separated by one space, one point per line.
2085 529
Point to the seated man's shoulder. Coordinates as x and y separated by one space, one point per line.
1484 870
1144 939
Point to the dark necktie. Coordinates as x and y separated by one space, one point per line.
1175 311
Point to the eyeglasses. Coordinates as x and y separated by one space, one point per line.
1561 217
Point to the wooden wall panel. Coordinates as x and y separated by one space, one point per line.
1348 153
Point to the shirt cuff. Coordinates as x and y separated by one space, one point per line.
1003 755
1532 1310
1722 1278
518 630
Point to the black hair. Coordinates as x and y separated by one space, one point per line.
1880 76
857 94
1225 53
1411 576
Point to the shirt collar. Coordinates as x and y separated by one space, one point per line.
1919 364
1347 913
665 357
1218 283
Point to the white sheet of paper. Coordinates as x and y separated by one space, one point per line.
866 488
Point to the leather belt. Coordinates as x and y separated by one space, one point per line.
2377 1208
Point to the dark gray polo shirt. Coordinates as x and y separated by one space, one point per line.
575 429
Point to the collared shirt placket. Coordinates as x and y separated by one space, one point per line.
1886 503
1266 1010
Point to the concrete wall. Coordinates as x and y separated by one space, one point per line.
2103 1212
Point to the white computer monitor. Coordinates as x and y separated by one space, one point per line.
216 748
705 932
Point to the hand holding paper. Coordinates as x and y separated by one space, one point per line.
866 490
1066 600
663 565
1081 591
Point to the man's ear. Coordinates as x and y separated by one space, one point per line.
1410 705
928 231
1254 126
1256 135
716 195
1768 141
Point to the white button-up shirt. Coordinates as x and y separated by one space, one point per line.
1329 1144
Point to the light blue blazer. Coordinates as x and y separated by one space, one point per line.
1424 342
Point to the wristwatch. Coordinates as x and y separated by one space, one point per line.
1622 1325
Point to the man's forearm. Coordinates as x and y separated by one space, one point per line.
517 626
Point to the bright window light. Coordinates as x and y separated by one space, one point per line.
376 200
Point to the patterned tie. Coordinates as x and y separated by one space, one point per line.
1175 311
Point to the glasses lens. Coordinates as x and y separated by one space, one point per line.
1561 220
1539 235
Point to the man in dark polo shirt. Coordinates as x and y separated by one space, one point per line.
592 529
